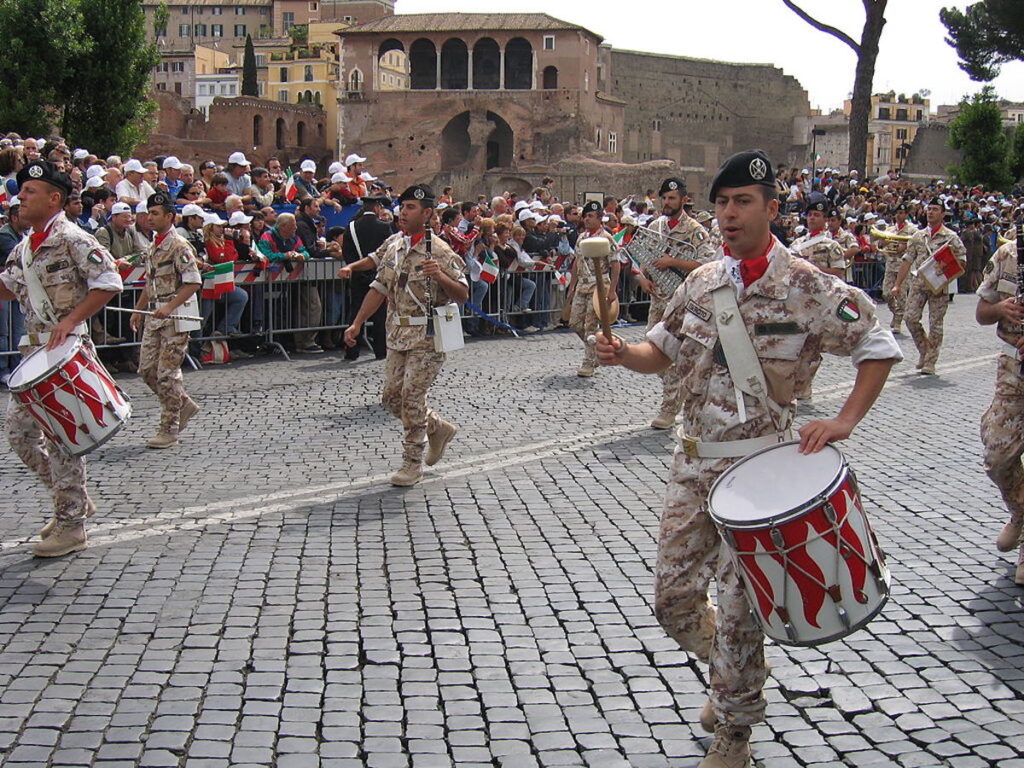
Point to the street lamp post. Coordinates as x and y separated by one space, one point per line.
815 133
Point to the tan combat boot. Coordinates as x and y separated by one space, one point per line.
162 440
188 409
437 441
410 474
46 530
730 749
664 420
63 540
1010 535
1018 577
586 371
708 721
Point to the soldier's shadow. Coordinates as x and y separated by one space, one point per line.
928 383
995 635
19 566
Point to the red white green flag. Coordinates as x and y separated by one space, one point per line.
220 281
489 269
290 192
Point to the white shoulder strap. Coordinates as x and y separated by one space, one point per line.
355 237
39 301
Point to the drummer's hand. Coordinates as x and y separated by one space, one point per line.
162 312
646 285
609 353
345 273
815 435
352 335
612 296
1011 311
60 332
135 322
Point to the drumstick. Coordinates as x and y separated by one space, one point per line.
597 249
145 312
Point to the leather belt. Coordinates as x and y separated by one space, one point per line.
405 321
727 449
39 339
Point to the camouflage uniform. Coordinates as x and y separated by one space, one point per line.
582 318
1002 425
170 263
846 240
412 364
690 232
922 244
70 263
793 313
894 250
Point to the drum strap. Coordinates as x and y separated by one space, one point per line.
741 358
39 301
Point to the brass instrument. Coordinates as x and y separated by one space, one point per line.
889 236
647 246
1008 236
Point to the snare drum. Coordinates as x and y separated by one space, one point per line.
71 396
797 531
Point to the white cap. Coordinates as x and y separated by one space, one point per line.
237 158
239 217
172 162
554 218
134 165
528 214
799 229
80 154
805 171
142 207
441 206
870 217
14 202
93 182
354 158
120 208
308 166
212 218
367 176
335 167
340 178
94 170
191 209
537 205
520 205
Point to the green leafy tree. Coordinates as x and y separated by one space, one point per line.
250 87
107 106
40 39
1017 153
161 16
986 35
977 131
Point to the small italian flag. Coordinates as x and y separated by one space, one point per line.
290 192
489 269
220 281
619 238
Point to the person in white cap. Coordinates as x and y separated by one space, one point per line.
116 235
337 194
238 176
306 180
172 173
334 168
142 228
133 189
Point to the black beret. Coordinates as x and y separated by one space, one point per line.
833 213
672 185
818 202
159 199
937 201
44 170
592 206
419 192
902 207
743 170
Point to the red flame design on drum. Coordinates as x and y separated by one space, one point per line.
800 566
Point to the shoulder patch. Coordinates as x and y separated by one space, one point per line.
696 309
990 266
95 256
848 311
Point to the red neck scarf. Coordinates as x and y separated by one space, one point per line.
160 238
673 223
751 270
36 238
414 240
935 229
815 233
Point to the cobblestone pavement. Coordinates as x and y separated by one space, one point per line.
260 595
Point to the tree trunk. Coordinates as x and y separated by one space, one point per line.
860 109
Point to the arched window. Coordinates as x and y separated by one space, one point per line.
316 98
393 65
454 65
486 65
300 134
257 130
307 73
422 65
279 133
355 80
550 78
519 64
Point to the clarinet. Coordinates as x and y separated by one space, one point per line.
1020 271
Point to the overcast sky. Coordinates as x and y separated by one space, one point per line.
913 55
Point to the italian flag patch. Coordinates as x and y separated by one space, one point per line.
95 257
848 311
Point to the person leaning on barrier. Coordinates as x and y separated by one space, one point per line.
281 244
191 227
220 249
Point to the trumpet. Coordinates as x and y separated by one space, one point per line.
1008 236
889 236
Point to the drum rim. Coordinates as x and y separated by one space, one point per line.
75 347
790 514
105 439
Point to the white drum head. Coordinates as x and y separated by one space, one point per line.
772 482
39 364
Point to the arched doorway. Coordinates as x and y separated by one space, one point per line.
422 65
279 133
518 64
300 134
257 130
486 65
455 143
550 81
454 65
392 66
500 149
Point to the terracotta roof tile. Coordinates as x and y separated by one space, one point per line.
463 22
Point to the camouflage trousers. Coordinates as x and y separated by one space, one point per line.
1002 435
897 304
63 475
689 550
671 393
918 297
583 322
407 378
160 357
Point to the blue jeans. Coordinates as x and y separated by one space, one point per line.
12 327
233 303
541 317
477 292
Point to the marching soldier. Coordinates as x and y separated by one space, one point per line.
1002 425
923 244
417 272
675 224
172 276
792 311
61 276
583 318
845 238
894 247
